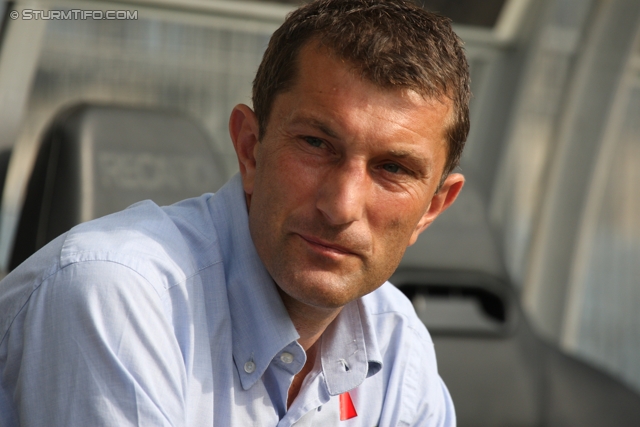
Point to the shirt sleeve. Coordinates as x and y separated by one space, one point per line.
96 349
442 414
431 399
414 393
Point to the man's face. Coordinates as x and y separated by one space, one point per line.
343 180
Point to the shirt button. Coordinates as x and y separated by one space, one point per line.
286 357
249 367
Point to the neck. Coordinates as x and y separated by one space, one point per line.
309 321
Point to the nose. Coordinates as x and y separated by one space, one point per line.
342 194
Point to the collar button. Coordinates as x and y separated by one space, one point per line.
249 367
286 357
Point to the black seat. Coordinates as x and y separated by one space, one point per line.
499 372
98 159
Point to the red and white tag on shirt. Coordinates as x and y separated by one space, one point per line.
347 410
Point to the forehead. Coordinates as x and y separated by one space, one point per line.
324 83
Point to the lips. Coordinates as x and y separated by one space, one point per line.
324 246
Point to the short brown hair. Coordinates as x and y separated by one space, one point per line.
392 43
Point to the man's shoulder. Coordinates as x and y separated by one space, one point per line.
164 243
409 367
395 312
179 237
388 299
158 246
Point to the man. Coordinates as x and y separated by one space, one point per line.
266 303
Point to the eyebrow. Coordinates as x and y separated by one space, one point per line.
424 164
321 126
403 154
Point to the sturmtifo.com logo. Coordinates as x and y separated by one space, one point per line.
74 14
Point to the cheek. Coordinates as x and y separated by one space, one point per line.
395 237
393 229
283 185
288 175
395 216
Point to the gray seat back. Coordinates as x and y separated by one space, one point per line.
97 159
499 372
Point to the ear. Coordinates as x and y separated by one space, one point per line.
439 203
243 129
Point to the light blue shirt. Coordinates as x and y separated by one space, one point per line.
167 317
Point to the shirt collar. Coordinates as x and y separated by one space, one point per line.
260 323
350 352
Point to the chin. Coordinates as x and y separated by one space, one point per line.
322 289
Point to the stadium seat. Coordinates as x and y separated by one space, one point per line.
499 371
98 159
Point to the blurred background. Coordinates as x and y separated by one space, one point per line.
532 277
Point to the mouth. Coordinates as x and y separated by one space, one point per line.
326 248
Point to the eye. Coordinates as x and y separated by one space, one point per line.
392 168
313 141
